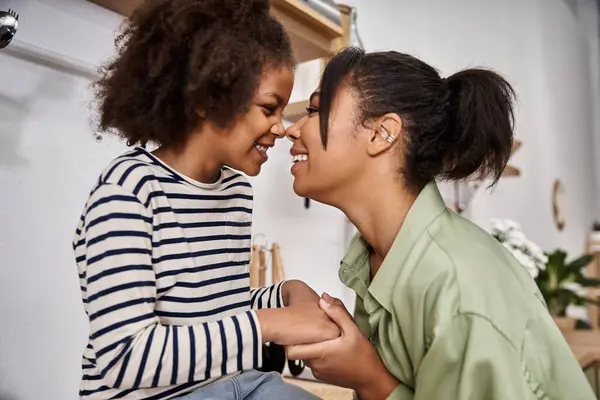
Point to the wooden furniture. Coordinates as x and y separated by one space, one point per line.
585 344
294 111
313 36
510 170
323 390
593 247
464 191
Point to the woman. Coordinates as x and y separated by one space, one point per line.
448 312
163 243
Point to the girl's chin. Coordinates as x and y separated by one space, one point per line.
252 169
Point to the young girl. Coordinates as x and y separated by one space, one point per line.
448 312
163 244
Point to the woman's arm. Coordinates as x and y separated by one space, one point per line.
470 359
350 360
283 294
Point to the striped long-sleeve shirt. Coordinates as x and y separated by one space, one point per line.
163 263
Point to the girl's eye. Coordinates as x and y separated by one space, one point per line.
270 110
311 110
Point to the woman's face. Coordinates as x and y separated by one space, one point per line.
328 175
255 132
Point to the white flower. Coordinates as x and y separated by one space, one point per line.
503 226
517 239
527 253
527 262
512 225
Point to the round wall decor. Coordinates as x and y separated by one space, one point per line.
558 204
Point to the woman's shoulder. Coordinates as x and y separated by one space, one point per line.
467 271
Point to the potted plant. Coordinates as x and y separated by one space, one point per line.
563 284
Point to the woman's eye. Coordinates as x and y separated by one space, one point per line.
311 110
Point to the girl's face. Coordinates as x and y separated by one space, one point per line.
328 175
254 133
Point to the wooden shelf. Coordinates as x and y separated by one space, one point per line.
313 36
511 171
322 390
516 145
294 111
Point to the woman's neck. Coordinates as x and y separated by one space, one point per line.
378 214
196 158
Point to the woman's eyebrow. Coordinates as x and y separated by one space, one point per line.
315 94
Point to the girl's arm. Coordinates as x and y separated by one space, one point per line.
283 294
132 348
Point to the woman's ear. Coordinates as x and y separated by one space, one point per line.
386 133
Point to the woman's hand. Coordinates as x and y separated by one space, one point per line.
350 360
301 321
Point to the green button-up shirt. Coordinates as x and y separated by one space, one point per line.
454 316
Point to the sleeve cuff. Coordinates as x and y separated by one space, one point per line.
280 303
267 297
257 355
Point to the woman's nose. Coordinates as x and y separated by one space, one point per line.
293 131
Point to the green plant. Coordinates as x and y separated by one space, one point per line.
561 281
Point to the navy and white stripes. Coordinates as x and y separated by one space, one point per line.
163 267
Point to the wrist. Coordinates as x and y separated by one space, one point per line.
286 291
268 320
379 387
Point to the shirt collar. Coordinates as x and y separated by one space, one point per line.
354 271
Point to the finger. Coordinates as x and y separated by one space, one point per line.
313 351
335 301
315 367
338 314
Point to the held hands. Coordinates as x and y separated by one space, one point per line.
301 322
348 360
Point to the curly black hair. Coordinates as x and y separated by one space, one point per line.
180 63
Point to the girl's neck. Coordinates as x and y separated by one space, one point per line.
378 214
196 158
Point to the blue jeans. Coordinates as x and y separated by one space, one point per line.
251 385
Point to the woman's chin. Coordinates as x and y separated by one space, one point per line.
299 189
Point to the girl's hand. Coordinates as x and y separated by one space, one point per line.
302 323
297 292
350 360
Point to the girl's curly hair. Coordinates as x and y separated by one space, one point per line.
176 57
